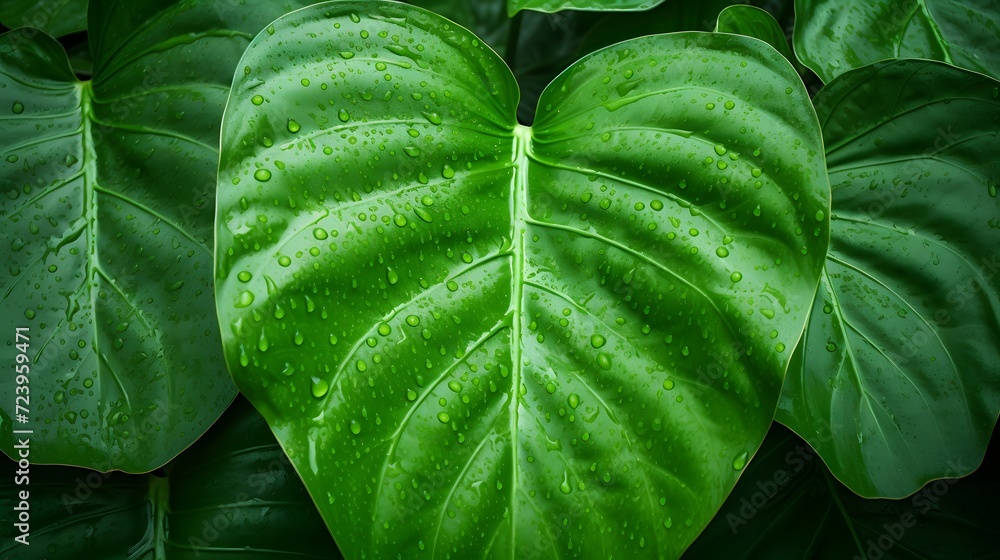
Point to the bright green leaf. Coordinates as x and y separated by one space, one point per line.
234 491
788 506
514 6
55 17
834 36
754 22
898 376
478 339
107 213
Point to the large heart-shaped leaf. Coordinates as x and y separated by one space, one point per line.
233 494
479 339
56 17
107 215
901 360
787 505
834 36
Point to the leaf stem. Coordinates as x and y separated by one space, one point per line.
513 38
832 488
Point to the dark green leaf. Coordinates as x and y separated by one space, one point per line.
834 36
754 22
55 17
787 505
232 495
901 360
107 219
479 339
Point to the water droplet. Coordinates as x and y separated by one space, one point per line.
392 276
423 215
597 341
447 172
736 277
550 387
433 118
284 261
740 461
993 188
59 397
17 108
779 347
343 115
573 400
729 105
12 158
722 252
668 384
245 299
443 417
710 106
720 149
355 427
604 361
257 99
820 215
244 276
320 234
293 126
412 320
564 487
411 151
831 347
346 55
262 175
411 395
320 388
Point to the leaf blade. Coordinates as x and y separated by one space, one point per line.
913 357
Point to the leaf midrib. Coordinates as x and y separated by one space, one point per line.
519 223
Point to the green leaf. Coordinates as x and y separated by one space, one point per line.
786 505
107 212
478 339
514 6
55 17
899 372
754 22
666 18
834 36
234 491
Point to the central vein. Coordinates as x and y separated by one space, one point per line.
518 224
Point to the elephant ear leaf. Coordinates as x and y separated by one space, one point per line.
834 36
479 339
55 17
897 381
107 216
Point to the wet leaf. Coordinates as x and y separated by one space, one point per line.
834 36
107 211
901 359
478 339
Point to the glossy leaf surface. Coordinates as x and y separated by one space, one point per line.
55 17
834 36
514 6
901 360
107 220
757 23
788 506
478 339
232 494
